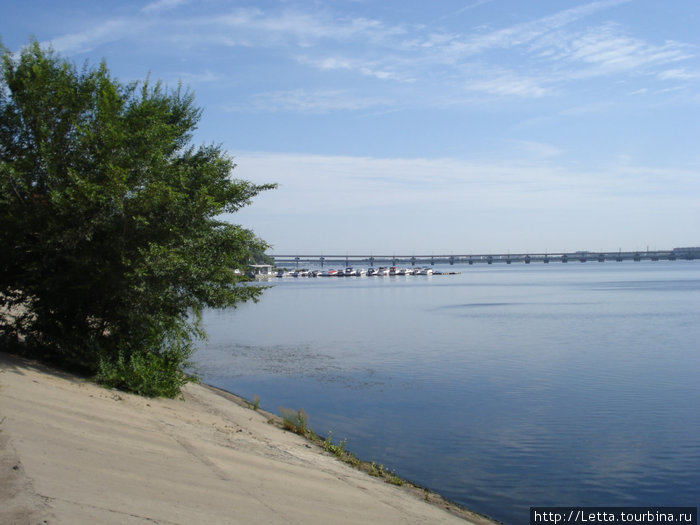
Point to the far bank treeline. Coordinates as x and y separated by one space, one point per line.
110 241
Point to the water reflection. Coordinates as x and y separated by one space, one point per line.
501 388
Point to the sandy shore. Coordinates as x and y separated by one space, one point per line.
73 452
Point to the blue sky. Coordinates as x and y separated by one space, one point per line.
425 127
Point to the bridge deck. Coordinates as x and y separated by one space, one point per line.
507 258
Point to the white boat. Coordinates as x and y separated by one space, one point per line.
404 271
383 271
371 271
426 271
349 271
361 272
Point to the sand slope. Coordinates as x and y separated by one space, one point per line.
72 452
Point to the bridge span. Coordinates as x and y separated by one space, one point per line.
303 260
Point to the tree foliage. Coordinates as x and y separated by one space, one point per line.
111 245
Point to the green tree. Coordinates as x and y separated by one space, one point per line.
260 257
110 241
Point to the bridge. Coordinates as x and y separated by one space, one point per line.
299 260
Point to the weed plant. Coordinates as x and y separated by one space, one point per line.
337 450
295 420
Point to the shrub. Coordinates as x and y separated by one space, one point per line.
110 239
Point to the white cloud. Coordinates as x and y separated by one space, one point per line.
611 51
109 31
473 5
679 74
539 58
163 5
207 76
306 28
546 54
541 96
508 83
363 67
361 203
456 47
357 182
309 101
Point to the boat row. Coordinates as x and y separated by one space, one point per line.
356 272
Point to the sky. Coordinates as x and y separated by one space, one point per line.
424 127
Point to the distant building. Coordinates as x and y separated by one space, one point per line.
260 271
687 253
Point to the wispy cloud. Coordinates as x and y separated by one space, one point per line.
314 101
380 203
454 47
679 74
526 113
205 77
547 55
365 181
539 58
369 68
305 28
608 50
163 5
106 32
509 83
473 5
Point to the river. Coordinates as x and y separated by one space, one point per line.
501 388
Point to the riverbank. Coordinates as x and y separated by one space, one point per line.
74 452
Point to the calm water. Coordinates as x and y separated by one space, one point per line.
501 388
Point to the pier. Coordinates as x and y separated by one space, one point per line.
346 260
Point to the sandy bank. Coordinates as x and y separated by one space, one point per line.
73 452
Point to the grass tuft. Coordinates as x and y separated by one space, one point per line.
337 450
255 405
295 420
